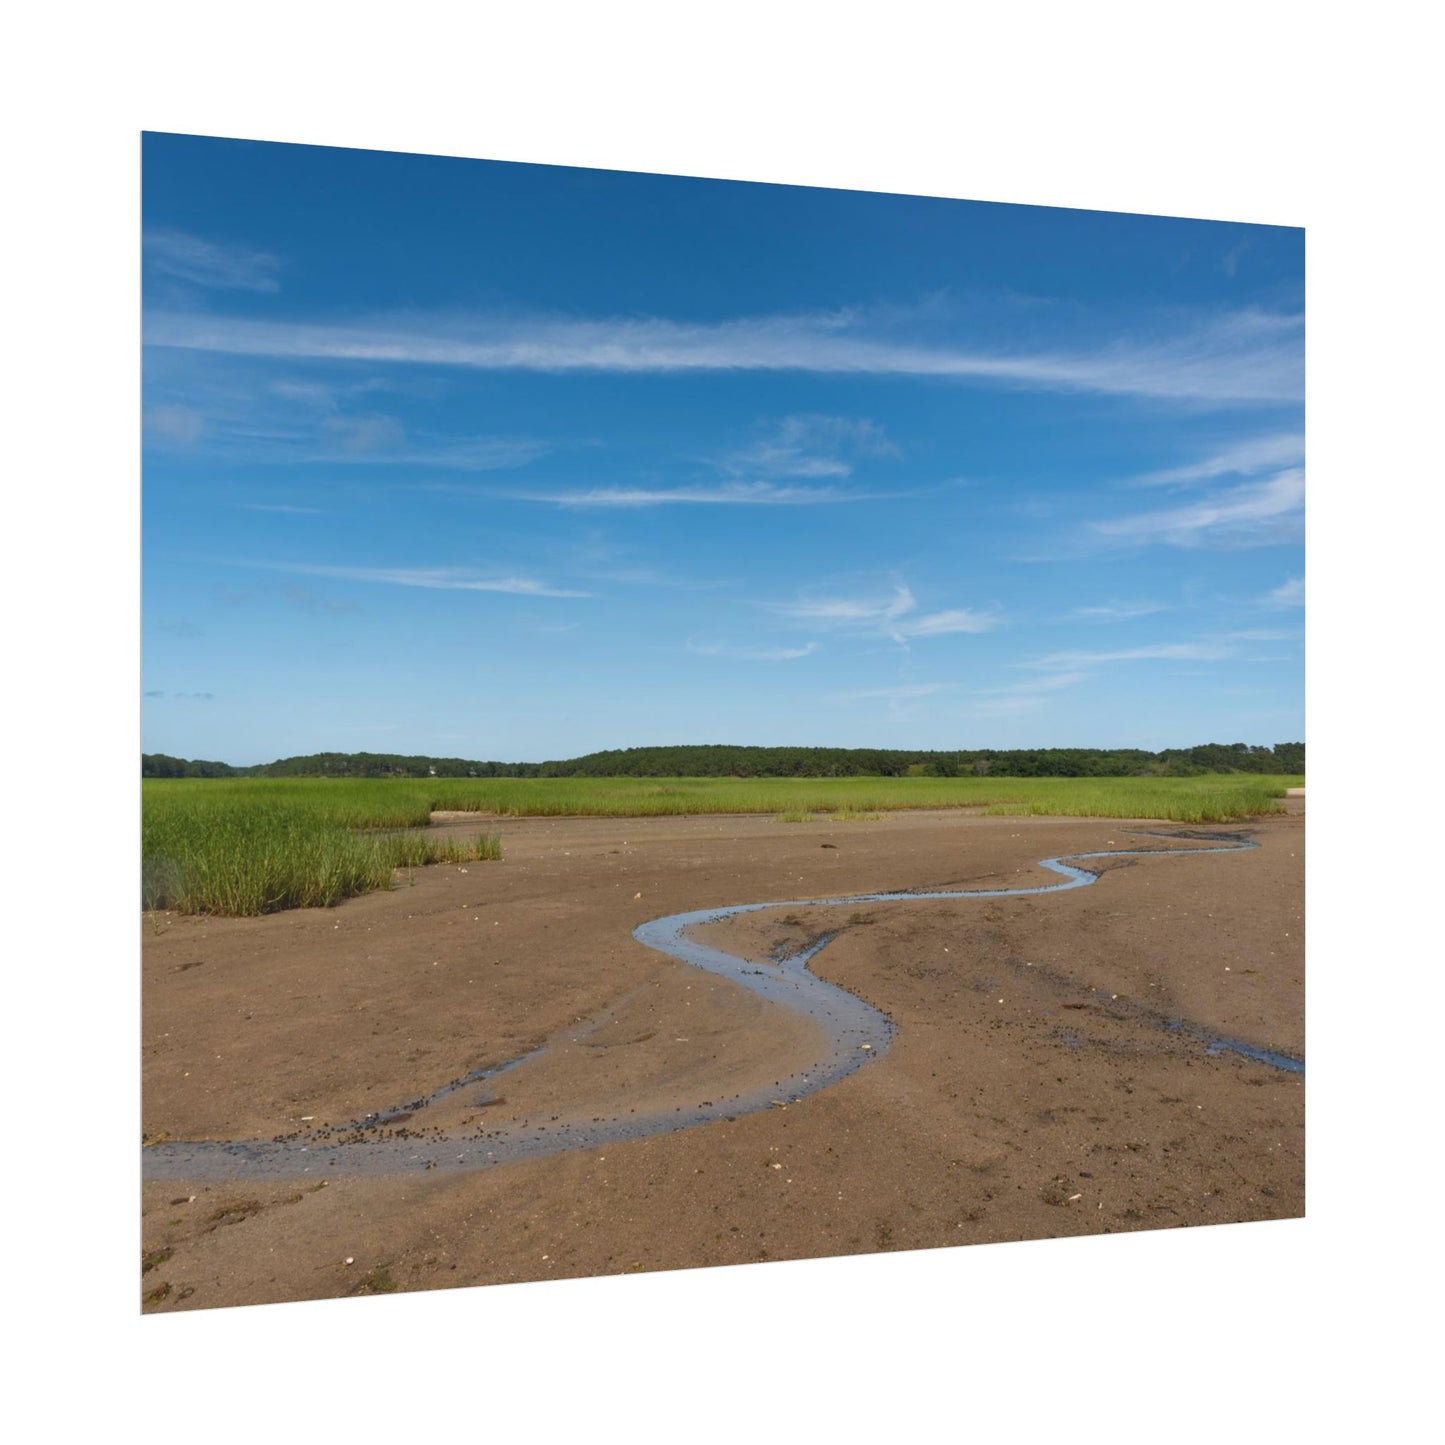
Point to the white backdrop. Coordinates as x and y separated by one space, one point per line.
1252 112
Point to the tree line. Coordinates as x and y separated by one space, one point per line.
721 761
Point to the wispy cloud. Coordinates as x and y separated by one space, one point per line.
307 601
177 426
1244 356
903 692
1287 594
209 263
728 494
1167 651
1229 262
1116 611
1036 686
895 616
810 445
1006 705
1252 515
1246 458
446 579
373 440
752 654
937 624
282 507
366 436
852 611
1026 696
381 440
221 407
653 577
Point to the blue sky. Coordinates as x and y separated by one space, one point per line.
517 462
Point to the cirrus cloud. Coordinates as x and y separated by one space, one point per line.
1246 356
1255 514
208 263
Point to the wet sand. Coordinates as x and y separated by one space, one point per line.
1033 1088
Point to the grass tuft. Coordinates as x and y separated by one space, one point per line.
241 851
154 1259
376 1281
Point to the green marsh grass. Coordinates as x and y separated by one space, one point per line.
242 851
1200 799
255 845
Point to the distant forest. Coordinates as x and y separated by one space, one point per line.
718 761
